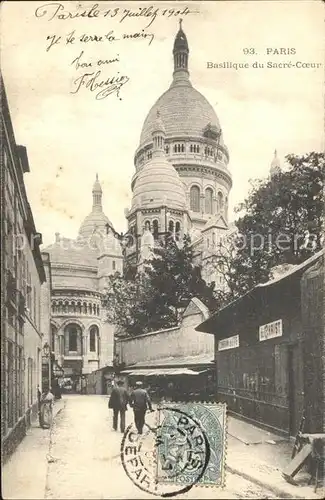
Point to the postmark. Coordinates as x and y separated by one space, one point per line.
192 443
186 447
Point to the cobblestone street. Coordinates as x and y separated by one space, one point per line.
84 460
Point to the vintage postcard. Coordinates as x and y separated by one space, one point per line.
162 249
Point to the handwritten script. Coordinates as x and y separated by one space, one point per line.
56 10
91 69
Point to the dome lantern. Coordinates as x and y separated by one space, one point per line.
275 165
180 53
97 196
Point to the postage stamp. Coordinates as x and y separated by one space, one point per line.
191 444
185 447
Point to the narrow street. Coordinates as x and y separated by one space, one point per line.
84 460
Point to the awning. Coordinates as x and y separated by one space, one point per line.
163 371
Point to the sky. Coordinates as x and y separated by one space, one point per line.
72 136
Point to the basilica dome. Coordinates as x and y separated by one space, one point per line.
184 111
94 222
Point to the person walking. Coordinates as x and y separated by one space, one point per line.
118 402
140 402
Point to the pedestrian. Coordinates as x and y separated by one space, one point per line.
140 402
118 402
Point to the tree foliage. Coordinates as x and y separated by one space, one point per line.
155 299
282 221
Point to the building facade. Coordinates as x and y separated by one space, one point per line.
81 339
177 357
22 275
185 129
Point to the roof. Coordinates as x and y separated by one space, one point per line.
184 112
201 359
162 372
67 251
208 326
158 184
96 220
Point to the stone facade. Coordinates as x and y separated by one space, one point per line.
81 339
170 345
22 275
193 144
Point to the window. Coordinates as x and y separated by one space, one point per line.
20 374
208 200
72 339
30 381
167 149
178 230
220 201
10 385
171 226
195 199
155 229
93 338
113 265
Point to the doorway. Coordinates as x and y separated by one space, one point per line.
296 387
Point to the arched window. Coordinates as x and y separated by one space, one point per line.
155 229
73 307
175 148
213 239
94 309
167 149
183 148
97 310
72 339
195 199
220 201
147 225
208 200
191 148
171 226
84 308
113 265
93 339
79 307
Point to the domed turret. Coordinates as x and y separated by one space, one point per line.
96 221
158 183
275 165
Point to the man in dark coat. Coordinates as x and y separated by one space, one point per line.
118 402
140 402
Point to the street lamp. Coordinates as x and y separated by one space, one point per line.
47 355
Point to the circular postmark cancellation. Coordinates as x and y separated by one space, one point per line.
167 460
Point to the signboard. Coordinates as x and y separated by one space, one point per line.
229 343
270 330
